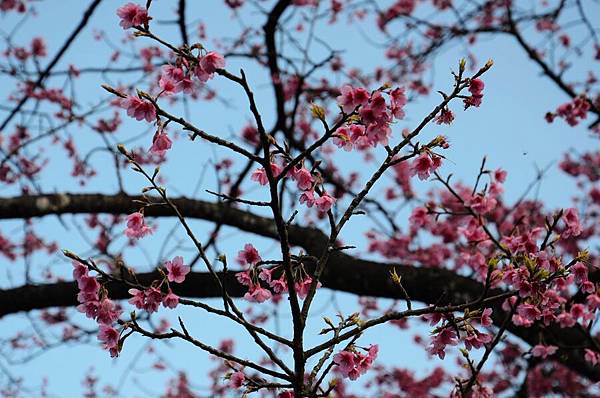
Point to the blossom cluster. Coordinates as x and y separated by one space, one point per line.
453 331
95 304
150 299
375 116
257 276
352 363
476 89
174 78
306 182
573 112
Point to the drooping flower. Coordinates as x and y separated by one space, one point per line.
248 256
260 175
161 143
353 364
208 64
170 300
109 336
136 227
307 197
445 117
398 101
257 294
325 202
303 178
108 312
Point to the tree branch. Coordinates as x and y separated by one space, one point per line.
368 278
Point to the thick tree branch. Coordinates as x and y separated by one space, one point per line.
343 272
181 22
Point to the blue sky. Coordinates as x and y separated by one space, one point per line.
509 129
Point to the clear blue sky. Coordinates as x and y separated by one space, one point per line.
509 129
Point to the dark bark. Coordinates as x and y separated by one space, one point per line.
343 272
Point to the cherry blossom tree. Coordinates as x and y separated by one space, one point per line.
332 183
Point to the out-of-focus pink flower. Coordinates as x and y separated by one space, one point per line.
236 380
543 351
132 14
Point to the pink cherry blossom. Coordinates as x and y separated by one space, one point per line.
109 336
424 165
445 117
260 175
476 86
139 108
38 47
398 101
279 285
303 286
108 312
248 256
307 197
486 319
170 300
573 112
79 270
342 139
88 285
132 14
542 351
571 220
325 202
136 227
304 179
176 270
161 143
89 308
152 299
351 97
345 361
580 271
236 380
257 294
138 299
211 62
375 111
352 364
592 357
244 278
476 340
